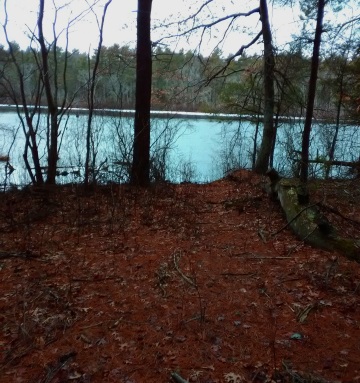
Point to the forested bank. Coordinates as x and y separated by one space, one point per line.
181 81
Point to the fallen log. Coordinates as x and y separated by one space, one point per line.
350 164
306 220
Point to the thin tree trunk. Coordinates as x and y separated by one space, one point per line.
338 114
53 150
30 142
91 99
140 172
334 140
28 128
269 132
255 142
304 165
51 101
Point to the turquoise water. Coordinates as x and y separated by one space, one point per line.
193 149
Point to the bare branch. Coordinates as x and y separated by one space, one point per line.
232 57
193 16
205 26
91 93
349 22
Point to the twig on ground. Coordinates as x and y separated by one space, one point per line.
52 371
9 254
115 323
94 279
17 357
335 211
192 319
186 279
293 219
177 378
254 256
237 274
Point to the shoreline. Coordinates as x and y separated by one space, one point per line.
8 108
169 114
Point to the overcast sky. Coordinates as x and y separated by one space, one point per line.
121 22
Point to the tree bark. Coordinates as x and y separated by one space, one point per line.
140 172
269 132
304 165
306 220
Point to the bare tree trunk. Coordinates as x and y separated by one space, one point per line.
335 137
27 123
253 156
140 172
338 114
51 100
48 84
91 98
269 132
304 165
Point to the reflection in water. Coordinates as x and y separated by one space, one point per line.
183 149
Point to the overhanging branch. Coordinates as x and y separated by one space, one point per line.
232 57
205 26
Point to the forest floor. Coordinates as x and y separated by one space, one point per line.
206 281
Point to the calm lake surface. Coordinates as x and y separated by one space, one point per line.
199 149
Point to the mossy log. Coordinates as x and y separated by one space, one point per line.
306 220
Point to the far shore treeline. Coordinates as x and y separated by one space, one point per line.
180 82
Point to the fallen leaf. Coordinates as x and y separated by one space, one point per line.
74 375
231 377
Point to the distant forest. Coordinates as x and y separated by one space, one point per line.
188 82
